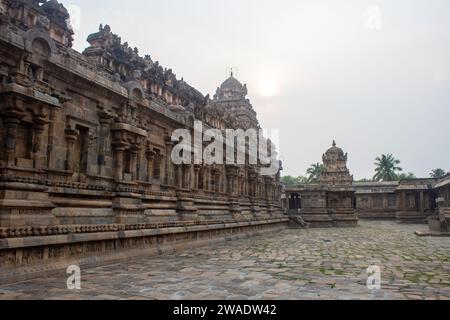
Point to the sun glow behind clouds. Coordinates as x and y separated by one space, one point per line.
268 86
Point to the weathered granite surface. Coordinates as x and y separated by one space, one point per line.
291 264
85 143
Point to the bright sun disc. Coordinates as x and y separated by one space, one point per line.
268 87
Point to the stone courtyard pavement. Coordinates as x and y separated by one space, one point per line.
292 264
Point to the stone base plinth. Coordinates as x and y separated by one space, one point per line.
23 204
437 226
412 217
317 218
186 210
376 215
322 218
23 256
128 208
345 220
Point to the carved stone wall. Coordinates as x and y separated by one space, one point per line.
85 138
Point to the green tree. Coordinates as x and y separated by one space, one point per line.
290 180
365 180
437 173
406 176
314 172
386 168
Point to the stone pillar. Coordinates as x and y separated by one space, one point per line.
133 163
421 203
12 117
105 119
39 127
385 202
118 161
180 177
403 201
150 157
189 183
217 181
168 162
196 176
230 180
71 137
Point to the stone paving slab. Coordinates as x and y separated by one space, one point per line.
292 264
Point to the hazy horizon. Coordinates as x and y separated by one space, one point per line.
373 75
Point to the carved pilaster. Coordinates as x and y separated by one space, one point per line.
197 169
168 163
134 161
105 119
118 161
12 117
71 138
39 123
216 173
150 154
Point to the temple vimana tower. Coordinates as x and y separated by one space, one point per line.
329 202
85 152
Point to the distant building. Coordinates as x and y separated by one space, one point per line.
407 201
330 202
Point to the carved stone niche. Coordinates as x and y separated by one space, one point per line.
24 124
23 200
80 139
127 142
41 48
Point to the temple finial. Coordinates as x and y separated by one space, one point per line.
334 143
232 73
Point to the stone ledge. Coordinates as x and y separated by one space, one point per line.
28 263
432 234
120 233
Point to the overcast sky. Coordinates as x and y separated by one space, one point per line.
374 75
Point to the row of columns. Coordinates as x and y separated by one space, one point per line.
127 157
419 201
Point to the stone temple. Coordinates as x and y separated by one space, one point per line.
329 202
85 158
336 200
87 179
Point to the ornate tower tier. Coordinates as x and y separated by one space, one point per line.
335 172
231 98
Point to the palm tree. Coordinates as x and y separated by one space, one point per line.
314 172
386 168
437 173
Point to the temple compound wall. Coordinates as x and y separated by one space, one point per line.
85 151
409 201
